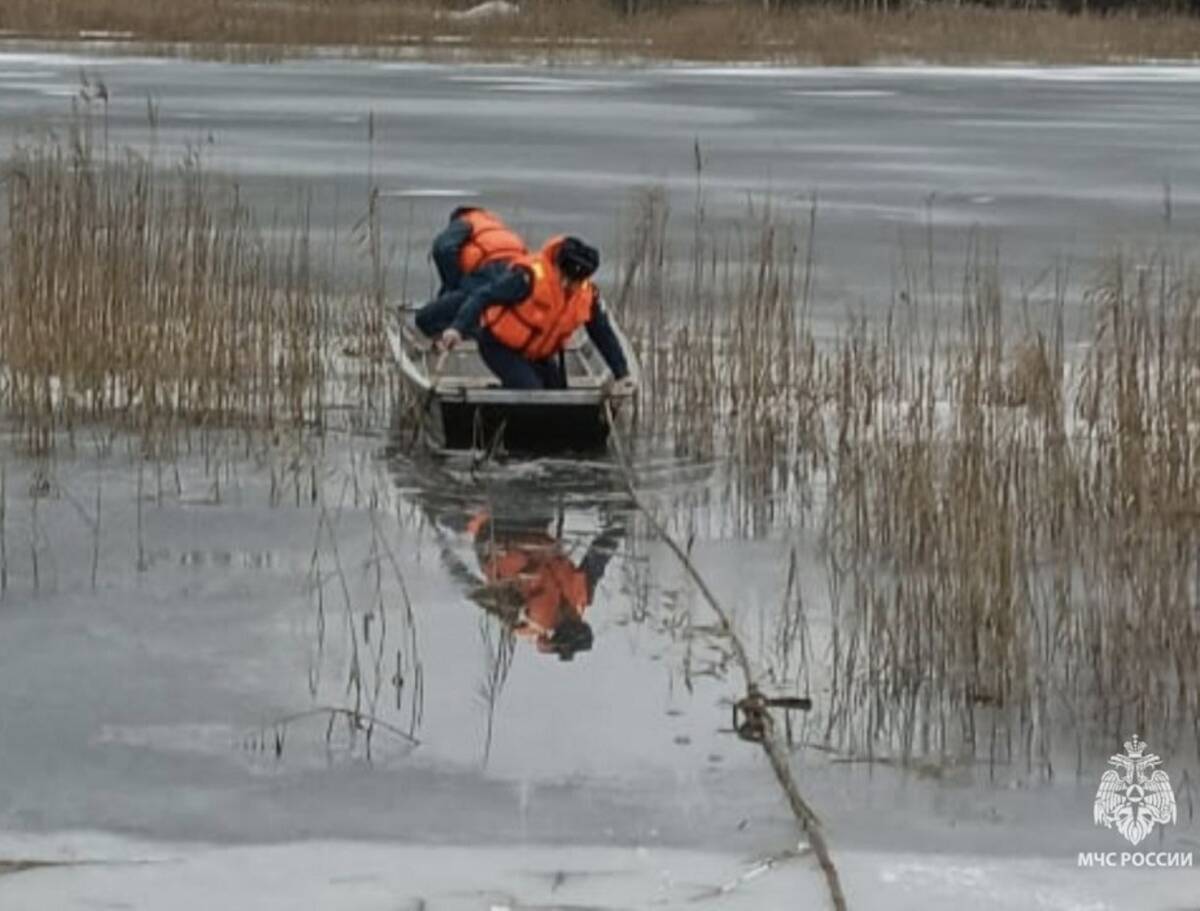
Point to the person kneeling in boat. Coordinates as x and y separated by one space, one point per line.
526 313
475 247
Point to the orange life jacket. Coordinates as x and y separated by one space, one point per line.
541 325
491 241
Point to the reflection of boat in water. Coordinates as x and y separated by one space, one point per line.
462 405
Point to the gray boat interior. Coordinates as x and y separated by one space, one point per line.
463 376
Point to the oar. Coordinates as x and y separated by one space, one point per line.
434 378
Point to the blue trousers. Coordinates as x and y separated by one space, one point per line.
436 316
517 372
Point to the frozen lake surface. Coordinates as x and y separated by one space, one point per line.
1054 166
348 876
180 702
175 662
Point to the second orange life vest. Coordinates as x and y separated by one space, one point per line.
491 241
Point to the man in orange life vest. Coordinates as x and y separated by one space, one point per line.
471 247
524 314
533 585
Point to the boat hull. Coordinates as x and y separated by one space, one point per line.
456 403
523 428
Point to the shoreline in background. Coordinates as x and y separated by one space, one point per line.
578 33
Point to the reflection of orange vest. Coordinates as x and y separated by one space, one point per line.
542 324
491 241
544 577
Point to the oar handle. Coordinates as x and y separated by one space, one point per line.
438 365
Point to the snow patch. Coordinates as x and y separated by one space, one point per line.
514 83
491 9
38 88
429 193
1152 73
841 93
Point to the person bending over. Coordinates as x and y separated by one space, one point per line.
525 312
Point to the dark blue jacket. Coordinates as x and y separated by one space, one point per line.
501 283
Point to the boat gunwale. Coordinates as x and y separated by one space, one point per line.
466 390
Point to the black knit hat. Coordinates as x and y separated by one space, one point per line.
576 259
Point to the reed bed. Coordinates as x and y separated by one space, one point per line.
1016 533
838 34
143 297
1009 521
730 365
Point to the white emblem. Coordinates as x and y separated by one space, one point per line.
1134 798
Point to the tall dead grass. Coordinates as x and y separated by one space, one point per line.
1010 523
811 34
730 367
215 22
148 301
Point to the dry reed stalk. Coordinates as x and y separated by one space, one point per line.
148 304
370 629
728 368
